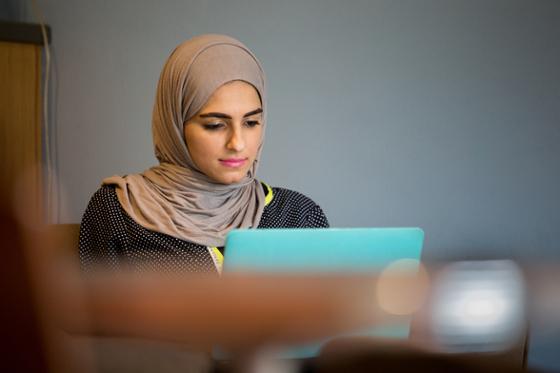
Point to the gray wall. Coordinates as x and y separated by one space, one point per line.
441 114
9 11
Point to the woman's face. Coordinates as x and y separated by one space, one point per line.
224 136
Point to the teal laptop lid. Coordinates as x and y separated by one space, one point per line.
349 250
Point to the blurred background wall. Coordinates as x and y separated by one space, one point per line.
442 114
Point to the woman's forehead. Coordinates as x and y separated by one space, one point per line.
234 96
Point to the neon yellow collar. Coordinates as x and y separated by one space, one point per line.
269 195
217 256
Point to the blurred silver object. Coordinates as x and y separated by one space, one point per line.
478 306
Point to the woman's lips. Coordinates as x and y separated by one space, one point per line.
233 162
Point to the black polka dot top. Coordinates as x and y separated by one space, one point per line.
110 238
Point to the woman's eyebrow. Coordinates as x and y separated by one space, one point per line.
225 116
257 111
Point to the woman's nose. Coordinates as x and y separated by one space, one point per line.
236 142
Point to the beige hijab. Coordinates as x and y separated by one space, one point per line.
175 197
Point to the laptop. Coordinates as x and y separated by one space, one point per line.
331 250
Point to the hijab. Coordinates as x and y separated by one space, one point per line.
175 197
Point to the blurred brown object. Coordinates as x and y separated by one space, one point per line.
114 353
359 355
64 241
259 308
23 343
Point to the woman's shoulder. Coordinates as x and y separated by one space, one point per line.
288 208
105 193
103 200
290 196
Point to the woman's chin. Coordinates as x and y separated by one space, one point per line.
230 178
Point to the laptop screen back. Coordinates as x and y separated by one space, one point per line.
333 250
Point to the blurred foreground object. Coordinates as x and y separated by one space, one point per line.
254 312
474 321
478 306
23 345
367 355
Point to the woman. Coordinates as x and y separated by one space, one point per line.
208 128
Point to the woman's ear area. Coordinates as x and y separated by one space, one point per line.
185 124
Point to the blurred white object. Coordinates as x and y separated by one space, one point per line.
479 306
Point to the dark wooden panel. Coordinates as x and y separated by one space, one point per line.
18 32
20 112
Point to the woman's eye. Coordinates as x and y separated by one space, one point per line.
213 126
252 123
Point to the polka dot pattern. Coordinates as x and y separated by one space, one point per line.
110 238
